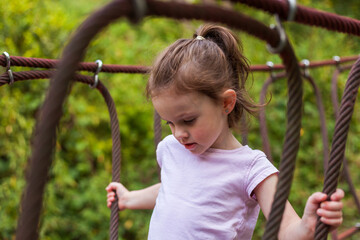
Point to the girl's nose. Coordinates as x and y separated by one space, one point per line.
180 133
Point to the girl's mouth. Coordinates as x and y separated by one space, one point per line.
190 146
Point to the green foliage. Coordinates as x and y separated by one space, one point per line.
75 199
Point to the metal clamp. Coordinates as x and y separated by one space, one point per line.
8 70
337 61
271 67
282 35
306 64
292 10
96 75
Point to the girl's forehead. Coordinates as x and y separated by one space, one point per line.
173 98
170 103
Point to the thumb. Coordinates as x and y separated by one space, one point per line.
313 202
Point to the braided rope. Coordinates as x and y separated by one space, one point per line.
334 99
59 87
45 134
308 16
115 133
262 116
339 140
85 66
348 233
114 68
73 53
116 162
157 135
291 142
321 110
157 128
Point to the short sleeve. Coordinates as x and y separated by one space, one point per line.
160 153
260 169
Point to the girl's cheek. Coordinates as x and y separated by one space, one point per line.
200 134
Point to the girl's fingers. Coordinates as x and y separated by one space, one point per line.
338 195
112 186
334 222
332 205
111 194
329 214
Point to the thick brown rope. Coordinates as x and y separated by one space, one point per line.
157 129
74 53
262 115
45 131
339 140
75 50
308 16
157 136
115 133
291 142
334 98
114 68
116 162
348 233
59 87
321 110
84 66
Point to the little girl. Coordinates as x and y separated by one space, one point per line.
212 186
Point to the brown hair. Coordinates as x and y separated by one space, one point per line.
207 65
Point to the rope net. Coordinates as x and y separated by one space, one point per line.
60 85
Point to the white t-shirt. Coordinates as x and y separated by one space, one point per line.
207 196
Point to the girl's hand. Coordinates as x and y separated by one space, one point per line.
330 212
122 194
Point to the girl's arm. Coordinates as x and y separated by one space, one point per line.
292 226
140 199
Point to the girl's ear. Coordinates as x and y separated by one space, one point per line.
229 100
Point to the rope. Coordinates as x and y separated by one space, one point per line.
339 140
73 53
45 133
115 133
262 115
349 232
85 66
335 103
291 142
321 110
51 111
308 16
134 69
157 135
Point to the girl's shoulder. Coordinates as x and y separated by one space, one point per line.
168 142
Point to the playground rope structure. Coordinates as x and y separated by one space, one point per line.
60 85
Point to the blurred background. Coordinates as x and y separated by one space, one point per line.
75 199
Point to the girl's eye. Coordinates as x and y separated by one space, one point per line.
168 123
189 121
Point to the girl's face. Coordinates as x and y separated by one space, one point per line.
196 121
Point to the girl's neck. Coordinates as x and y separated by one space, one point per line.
228 141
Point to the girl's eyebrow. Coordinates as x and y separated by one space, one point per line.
186 115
